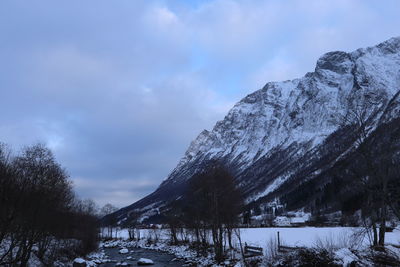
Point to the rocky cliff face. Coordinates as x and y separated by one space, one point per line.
289 132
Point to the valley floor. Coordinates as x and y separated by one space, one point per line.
293 236
344 245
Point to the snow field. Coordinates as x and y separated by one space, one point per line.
292 236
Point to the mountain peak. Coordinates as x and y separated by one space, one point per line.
337 61
390 46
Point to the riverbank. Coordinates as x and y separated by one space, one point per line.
133 255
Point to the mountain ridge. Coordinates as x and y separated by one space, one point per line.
276 134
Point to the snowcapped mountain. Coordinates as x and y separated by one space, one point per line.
287 133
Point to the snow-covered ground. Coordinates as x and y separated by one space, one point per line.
301 236
308 236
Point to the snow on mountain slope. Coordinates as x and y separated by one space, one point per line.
285 124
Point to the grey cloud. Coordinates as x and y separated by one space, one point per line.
119 90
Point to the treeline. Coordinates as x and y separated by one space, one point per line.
39 213
210 210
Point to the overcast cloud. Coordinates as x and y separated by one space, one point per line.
118 89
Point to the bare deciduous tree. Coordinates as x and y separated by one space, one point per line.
37 207
214 203
375 168
109 221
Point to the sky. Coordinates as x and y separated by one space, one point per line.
119 89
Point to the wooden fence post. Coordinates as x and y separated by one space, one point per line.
279 243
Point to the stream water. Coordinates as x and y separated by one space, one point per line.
159 258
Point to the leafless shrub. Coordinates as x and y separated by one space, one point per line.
271 250
333 242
